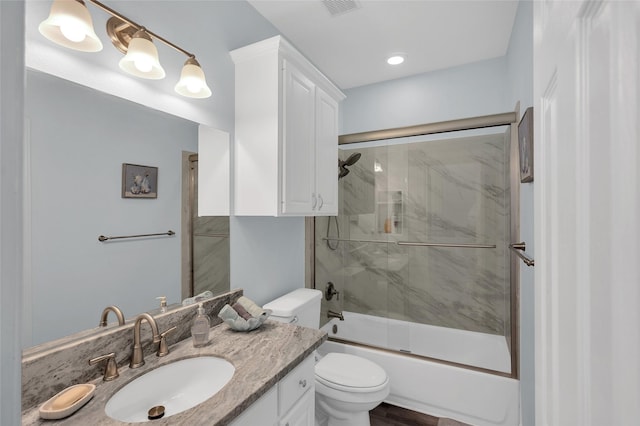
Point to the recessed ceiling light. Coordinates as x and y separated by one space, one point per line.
395 59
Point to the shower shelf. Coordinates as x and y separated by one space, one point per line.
413 243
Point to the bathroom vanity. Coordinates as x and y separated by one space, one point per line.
273 380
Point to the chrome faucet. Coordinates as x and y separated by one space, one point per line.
115 310
137 357
333 314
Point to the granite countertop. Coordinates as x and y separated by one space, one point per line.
261 358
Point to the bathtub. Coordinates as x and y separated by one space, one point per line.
426 386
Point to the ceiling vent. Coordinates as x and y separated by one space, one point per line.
338 7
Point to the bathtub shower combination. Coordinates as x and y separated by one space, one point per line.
418 264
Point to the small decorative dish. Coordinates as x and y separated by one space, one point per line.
237 323
67 401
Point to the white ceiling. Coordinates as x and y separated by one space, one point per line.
351 48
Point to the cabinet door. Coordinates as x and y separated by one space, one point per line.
298 182
302 413
326 154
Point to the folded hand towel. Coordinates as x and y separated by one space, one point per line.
231 316
197 298
228 313
242 311
235 321
255 310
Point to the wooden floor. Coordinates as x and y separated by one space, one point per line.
390 415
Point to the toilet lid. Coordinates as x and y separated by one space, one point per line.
350 370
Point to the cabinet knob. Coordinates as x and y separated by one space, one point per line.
303 383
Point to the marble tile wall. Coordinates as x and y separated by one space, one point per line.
51 367
446 191
210 251
211 254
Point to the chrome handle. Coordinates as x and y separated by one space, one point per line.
331 291
314 202
303 383
294 320
321 202
519 249
110 369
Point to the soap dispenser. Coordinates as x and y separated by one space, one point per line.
163 304
200 328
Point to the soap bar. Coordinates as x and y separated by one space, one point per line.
68 397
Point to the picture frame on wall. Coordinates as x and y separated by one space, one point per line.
525 146
139 181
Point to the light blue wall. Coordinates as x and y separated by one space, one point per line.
520 72
465 91
267 256
11 205
77 140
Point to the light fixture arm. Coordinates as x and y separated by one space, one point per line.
139 27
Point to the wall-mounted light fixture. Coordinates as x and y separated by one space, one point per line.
69 24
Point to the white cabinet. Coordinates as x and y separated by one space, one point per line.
326 137
291 402
300 381
302 413
286 147
213 172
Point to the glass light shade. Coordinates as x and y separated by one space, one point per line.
193 83
69 24
141 59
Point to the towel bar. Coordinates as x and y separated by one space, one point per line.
102 238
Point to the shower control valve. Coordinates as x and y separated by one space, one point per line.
331 291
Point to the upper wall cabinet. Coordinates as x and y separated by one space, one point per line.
286 152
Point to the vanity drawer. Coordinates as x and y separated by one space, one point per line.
295 384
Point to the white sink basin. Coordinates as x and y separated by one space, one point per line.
177 386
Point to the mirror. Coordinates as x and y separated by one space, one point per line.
77 140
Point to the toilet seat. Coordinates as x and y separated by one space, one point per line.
350 373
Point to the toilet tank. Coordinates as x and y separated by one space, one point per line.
300 307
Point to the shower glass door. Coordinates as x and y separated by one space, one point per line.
209 245
419 250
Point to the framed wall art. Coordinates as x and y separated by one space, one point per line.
525 146
139 181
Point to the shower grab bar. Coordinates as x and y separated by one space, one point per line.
102 238
519 250
419 244
347 240
412 243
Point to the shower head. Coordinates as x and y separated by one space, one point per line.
350 161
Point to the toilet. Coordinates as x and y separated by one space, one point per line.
347 386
